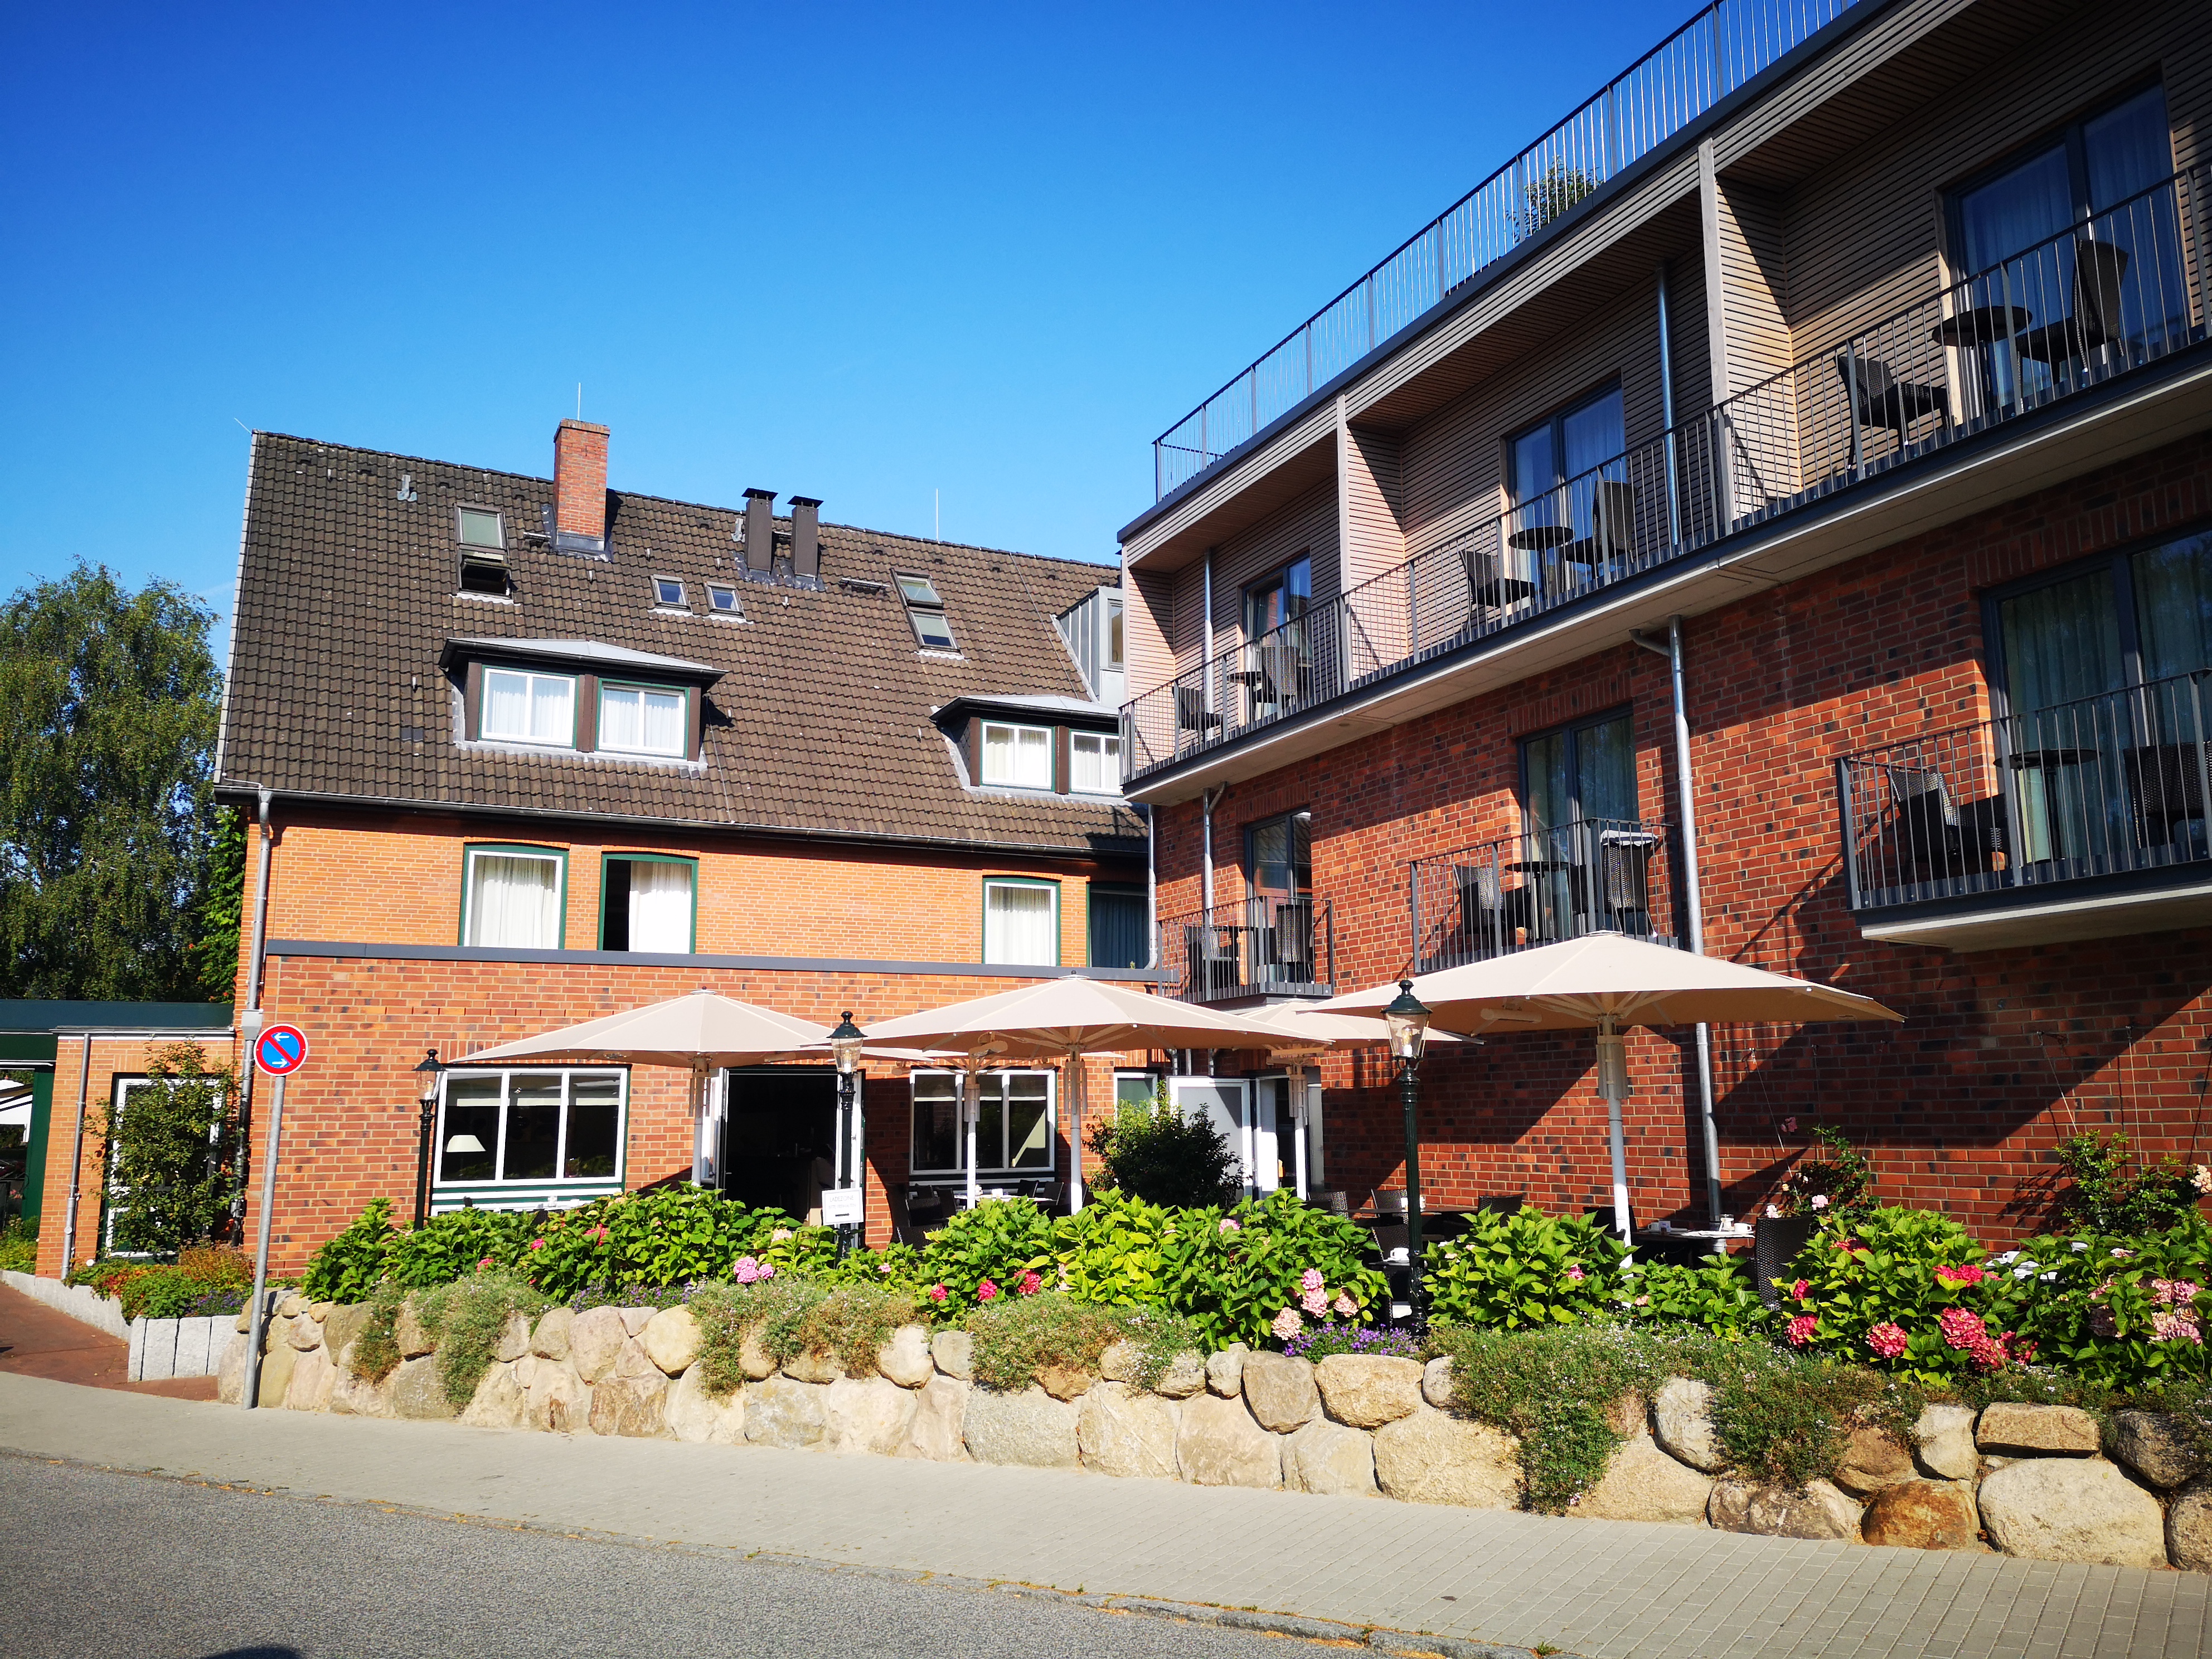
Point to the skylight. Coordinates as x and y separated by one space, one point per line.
722 601
480 526
925 609
668 591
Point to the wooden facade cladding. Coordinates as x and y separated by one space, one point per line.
1370 503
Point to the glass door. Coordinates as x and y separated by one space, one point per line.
2064 667
1277 665
1578 795
1280 919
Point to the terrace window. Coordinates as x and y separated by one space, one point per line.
1585 859
1277 666
1568 516
521 1136
1014 1126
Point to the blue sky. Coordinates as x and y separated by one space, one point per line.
862 253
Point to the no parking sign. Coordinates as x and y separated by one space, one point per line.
281 1050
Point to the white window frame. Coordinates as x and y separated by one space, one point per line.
680 601
118 1094
983 755
987 1171
558 860
630 687
1109 763
992 883
530 677
526 1192
716 593
498 523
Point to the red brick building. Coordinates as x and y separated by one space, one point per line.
1850 362
522 751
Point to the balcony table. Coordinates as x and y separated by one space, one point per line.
1540 536
1983 326
2054 756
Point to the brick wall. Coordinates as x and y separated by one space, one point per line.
2003 1053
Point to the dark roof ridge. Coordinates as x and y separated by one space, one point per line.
677 501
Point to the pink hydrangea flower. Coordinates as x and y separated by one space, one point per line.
1230 1225
882 1267
1774 1212
1820 1200
1962 1328
2166 1327
486 1262
1310 1279
2173 1292
938 1293
1316 1302
536 1243
1802 1329
768 1270
1028 1284
1575 1273
1968 1275
1345 1306
986 1292
779 1235
1287 1324
1888 1339
1798 1291
747 1270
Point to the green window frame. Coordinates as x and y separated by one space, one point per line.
471 851
1052 887
682 751
607 861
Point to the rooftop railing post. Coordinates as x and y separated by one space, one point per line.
1308 332
1368 283
1720 57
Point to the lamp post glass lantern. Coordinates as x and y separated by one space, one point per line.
432 1071
1408 1019
844 1044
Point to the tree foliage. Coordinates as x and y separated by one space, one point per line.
172 1150
1152 1151
110 701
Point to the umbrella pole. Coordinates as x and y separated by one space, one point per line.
1074 1130
1613 1084
971 1109
699 1122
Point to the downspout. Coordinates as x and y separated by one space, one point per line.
1152 890
251 1022
1205 849
76 1161
1686 807
260 904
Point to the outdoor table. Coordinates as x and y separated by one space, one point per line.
1983 326
1540 536
2056 755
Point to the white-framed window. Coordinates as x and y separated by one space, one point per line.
1094 763
479 526
925 609
514 896
643 720
1115 651
529 1131
1021 923
522 706
668 593
647 903
1016 1127
723 600
115 1193
1019 756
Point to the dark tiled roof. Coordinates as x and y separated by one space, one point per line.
821 721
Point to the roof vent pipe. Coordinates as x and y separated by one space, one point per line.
759 533
807 538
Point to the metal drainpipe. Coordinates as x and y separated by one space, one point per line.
1206 645
1152 890
250 1023
77 1163
1685 806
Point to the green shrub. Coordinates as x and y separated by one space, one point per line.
448 1246
795 1315
1833 1186
376 1350
996 1243
202 1281
2111 1195
2122 1311
1259 1273
673 1235
1151 1152
172 1154
1526 1270
466 1318
1719 1294
351 1264
1109 1251
895 1267
1019 1336
1787 1418
19 1247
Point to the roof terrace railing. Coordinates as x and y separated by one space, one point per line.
1662 92
2121 290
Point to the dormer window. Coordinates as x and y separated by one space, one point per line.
925 609
723 601
480 526
1094 763
668 593
642 720
520 707
1017 756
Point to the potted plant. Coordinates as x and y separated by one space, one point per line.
1817 1189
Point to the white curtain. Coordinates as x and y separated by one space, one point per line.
661 907
647 722
507 705
1096 763
1019 925
664 723
514 901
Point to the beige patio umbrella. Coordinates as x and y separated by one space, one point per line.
1609 980
1306 1028
700 1033
1065 1019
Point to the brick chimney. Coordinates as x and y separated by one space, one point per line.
580 484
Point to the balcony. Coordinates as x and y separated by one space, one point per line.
1249 951
2109 299
1663 92
2084 820
1592 876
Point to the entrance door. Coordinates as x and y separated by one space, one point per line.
780 1137
1226 1102
1278 854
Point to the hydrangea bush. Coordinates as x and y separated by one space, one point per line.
1526 1270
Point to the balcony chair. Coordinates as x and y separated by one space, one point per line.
1931 835
1492 582
1612 526
1286 940
1489 920
2165 789
1191 713
1880 399
2098 291
1503 1204
1624 885
1211 968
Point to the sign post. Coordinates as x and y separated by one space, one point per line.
280 1051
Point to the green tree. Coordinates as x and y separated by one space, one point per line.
172 1151
110 700
1152 1151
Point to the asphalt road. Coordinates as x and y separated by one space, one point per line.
96 1564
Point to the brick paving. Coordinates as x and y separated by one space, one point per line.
1606 1589
36 1340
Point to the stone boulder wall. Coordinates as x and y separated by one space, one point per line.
1365 1391
1818 1510
1643 1483
1327 1458
1873 1461
595 1340
780 1412
1125 1431
2037 1431
695 1414
1943 1442
2072 1508
905 1359
866 1414
1029 1429
1431 1458
550 1340
1682 1423
2189 1528
939 1433
1922 1515
2156 1446
1281 1392
1218 1443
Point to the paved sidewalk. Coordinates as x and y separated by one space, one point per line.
1607 1590
36 1340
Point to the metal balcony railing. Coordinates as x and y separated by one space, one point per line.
1716 51
2117 292
2102 786
1592 876
1261 946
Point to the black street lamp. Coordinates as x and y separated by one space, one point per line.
845 1044
430 1069
1408 1021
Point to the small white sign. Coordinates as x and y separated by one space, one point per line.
841 1206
